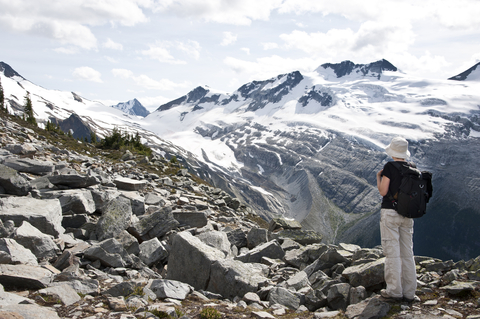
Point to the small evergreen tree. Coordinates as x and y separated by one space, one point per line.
28 110
93 137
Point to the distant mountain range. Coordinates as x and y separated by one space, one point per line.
308 146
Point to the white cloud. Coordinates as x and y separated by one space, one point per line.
88 74
237 12
160 51
110 44
69 22
146 82
269 45
228 38
267 67
372 38
64 50
246 50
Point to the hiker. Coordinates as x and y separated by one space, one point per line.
396 230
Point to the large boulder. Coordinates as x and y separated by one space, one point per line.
13 183
25 276
12 252
272 249
110 253
191 260
136 201
41 245
45 215
231 278
116 217
283 296
152 251
74 180
154 225
129 184
73 201
366 275
29 165
102 196
192 219
217 239
164 288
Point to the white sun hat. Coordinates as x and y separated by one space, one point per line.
398 148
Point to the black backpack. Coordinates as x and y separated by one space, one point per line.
414 192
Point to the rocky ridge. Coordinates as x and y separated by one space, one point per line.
87 237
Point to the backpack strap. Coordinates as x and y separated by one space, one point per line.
402 169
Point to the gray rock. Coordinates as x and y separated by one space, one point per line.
457 287
128 242
366 275
237 237
154 225
7 299
110 253
297 258
367 309
137 202
282 296
103 196
12 252
21 149
154 199
303 237
125 288
12 183
256 236
164 288
116 217
357 294
74 201
74 180
283 223
217 239
190 260
64 292
75 221
192 219
297 281
45 215
28 165
41 245
337 296
231 278
271 249
24 276
152 251
129 184
80 285
31 311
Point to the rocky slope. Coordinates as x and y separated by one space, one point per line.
307 146
84 236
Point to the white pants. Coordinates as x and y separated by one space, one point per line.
397 243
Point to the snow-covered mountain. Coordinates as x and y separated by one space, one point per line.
308 146
472 74
132 107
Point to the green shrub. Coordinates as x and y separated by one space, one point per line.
210 313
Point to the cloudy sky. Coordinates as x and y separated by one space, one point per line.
158 50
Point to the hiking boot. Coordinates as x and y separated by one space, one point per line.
386 296
414 299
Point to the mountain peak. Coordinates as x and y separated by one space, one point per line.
345 68
8 71
472 74
132 107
